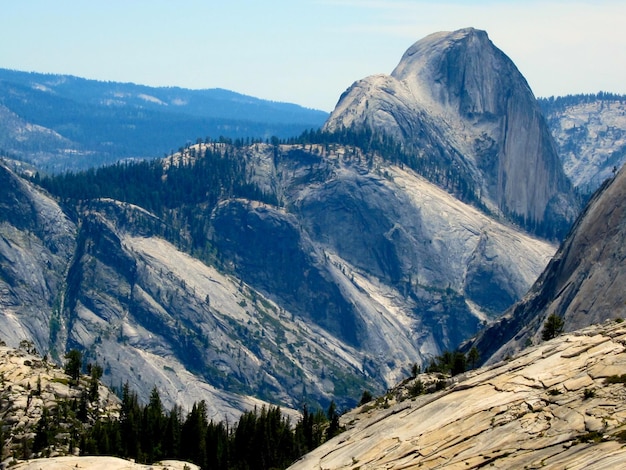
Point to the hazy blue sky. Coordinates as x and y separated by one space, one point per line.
305 51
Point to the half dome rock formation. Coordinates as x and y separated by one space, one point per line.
457 99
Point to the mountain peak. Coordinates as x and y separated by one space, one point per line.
463 70
458 100
446 37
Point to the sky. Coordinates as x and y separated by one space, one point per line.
306 51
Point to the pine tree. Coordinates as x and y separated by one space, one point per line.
73 364
473 357
43 432
552 327
333 418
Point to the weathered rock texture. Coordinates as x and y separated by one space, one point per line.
100 463
550 407
28 384
362 269
583 284
458 99
590 133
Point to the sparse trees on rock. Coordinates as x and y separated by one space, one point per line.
73 364
552 327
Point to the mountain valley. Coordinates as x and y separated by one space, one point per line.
424 216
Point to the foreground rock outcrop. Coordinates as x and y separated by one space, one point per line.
558 405
100 463
31 387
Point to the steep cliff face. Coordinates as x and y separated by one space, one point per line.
457 98
583 283
371 257
37 242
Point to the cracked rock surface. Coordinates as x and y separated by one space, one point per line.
550 407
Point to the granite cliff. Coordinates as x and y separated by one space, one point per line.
582 284
456 98
359 270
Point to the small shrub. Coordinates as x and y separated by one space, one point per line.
441 384
615 379
366 397
554 391
589 393
592 436
416 388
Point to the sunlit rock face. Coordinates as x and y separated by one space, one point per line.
361 270
555 405
457 98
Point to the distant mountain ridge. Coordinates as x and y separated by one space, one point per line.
62 122
590 133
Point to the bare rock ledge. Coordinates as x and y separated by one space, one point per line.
549 407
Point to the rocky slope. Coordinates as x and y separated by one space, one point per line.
28 384
457 99
354 276
590 133
557 405
583 282
100 463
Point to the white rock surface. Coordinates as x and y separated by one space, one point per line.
503 416
590 133
99 463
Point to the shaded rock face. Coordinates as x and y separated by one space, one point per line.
269 251
37 241
552 406
583 283
355 276
456 97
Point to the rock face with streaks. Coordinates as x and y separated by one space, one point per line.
355 275
583 283
457 99
555 406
